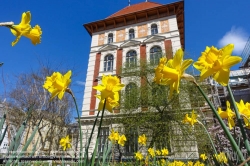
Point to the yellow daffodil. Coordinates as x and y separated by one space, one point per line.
122 139
244 110
164 152
35 35
217 63
110 85
163 162
138 156
178 163
24 29
171 73
158 152
203 156
57 84
190 163
191 120
109 89
151 151
65 142
228 114
198 163
158 70
221 158
114 136
110 102
142 139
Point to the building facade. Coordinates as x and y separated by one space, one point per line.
137 32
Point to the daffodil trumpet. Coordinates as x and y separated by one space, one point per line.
239 120
224 127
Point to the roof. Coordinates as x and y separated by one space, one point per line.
135 8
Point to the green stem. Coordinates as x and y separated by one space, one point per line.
224 127
91 134
239 120
209 137
79 123
100 124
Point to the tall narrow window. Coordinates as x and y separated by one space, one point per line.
131 34
110 38
155 55
131 58
154 29
104 133
131 145
131 94
108 62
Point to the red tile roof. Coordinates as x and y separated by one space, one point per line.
135 8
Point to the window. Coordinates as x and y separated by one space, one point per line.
108 62
154 29
131 58
131 34
131 145
110 38
104 133
155 55
131 100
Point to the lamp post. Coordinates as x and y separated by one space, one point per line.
1 64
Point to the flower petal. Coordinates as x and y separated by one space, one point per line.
185 64
229 61
206 73
177 60
222 77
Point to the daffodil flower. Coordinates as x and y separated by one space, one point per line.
203 156
111 102
109 89
221 158
244 110
191 120
114 136
138 156
164 152
24 29
57 84
65 142
171 73
110 85
198 163
122 139
142 139
228 114
151 151
35 35
217 63
158 152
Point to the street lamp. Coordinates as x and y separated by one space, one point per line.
1 64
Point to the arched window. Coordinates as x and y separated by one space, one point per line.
131 34
110 38
131 93
131 58
154 29
155 55
108 62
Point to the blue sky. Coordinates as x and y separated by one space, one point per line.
66 42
